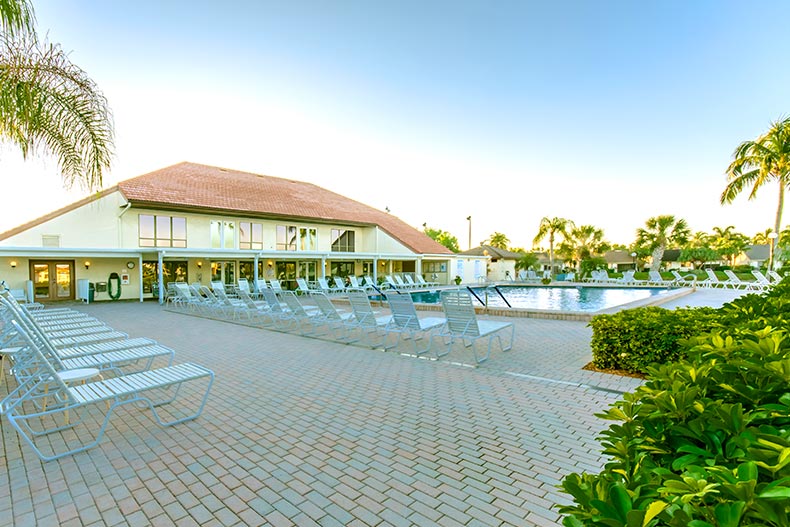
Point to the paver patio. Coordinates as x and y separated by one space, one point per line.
300 431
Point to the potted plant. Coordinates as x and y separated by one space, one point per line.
457 280
545 281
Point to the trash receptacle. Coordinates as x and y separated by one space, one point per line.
91 291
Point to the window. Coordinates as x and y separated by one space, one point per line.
171 272
342 241
341 269
250 235
286 238
162 231
223 234
307 239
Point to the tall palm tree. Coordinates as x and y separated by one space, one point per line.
757 162
551 227
48 104
659 232
498 240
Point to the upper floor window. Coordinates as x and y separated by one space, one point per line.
250 235
286 238
162 231
307 239
342 240
223 234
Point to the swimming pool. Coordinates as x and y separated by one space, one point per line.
556 298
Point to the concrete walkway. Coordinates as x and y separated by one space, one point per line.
305 432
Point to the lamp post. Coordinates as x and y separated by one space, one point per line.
633 257
469 219
771 248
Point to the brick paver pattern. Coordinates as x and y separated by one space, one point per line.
301 431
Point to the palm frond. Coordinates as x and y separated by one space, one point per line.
17 17
49 104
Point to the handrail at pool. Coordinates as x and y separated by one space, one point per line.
503 296
475 295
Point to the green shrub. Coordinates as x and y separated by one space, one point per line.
704 442
633 339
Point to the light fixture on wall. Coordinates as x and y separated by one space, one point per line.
87 265
13 264
270 263
200 264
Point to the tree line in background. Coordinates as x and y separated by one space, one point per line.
755 164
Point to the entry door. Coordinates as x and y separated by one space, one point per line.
307 271
224 272
52 280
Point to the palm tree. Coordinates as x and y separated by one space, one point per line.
659 232
583 243
498 240
757 162
48 104
728 243
762 238
551 227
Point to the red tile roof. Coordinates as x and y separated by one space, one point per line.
190 185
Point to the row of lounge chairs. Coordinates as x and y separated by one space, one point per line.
315 315
52 350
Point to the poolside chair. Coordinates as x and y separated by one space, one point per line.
365 321
156 389
713 280
689 280
762 279
118 360
392 284
410 281
774 276
405 323
302 286
340 285
400 283
229 306
332 318
324 287
371 284
244 285
655 278
462 325
356 285
298 316
258 309
276 286
737 283
421 282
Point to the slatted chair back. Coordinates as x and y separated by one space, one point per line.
340 285
301 283
244 285
276 286
363 311
271 298
292 302
404 314
460 313
327 308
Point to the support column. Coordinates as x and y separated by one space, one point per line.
160 279
140 274
255 273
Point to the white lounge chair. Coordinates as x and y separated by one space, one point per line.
340 285
655 278
737 283
713 280
152 389
774 276
370 326
689 280
762 279
299 317
405 323
423 283
394 282
462 325
333 318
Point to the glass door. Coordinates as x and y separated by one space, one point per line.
224 272
52 280
307 271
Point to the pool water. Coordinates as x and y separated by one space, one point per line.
579 298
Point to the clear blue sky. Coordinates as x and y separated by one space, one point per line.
606 112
